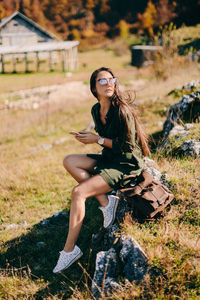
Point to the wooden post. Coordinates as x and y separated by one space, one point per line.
14 63
37 62
26 62
64 65
50 61
2 64
75 50
70 59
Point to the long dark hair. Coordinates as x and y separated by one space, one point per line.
125 103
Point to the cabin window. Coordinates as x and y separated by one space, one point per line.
15 24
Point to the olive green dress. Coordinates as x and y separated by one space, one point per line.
125 157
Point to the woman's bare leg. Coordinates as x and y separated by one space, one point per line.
80 166
91 187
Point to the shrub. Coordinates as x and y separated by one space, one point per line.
123 29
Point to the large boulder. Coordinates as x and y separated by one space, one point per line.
180 141
104 280
191 147
185 111
134 259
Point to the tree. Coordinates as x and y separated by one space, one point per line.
54 7
147 19
155 16
89 4
165 12
2 12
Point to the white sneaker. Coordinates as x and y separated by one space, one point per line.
109 211
66 259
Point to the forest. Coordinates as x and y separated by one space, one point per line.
87 19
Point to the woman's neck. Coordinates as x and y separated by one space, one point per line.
105 103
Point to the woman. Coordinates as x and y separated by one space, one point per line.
124 144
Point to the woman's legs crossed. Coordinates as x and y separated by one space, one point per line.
91 187
80 166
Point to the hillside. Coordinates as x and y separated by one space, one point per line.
34 185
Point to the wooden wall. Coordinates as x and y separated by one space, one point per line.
20 32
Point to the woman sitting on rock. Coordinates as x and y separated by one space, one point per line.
124 144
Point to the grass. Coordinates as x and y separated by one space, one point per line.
34 185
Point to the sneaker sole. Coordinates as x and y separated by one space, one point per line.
114 213
75 258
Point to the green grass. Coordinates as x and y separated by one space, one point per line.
34 185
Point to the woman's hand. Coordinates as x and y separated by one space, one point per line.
87 137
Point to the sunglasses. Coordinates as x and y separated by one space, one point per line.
104 81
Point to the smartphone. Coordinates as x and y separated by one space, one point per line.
74 132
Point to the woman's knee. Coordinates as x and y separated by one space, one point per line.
78 193
68 161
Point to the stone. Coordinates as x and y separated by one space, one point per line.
40 147
57 217
158 176
188 126
155 99
148 163
15 226
188 147
104 280
61 141
32 99
160 123
41 244
178 129
188 109
134 259
191 147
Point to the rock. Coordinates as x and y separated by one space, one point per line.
187 110
188 147
68 74
15 226
35 106
155 99
191 147
160 123
61 141
45 222
122 209
41 244
158 176
193 84
178 129
134 258
188 126
104 280
32 99
148 163
57 217
40 147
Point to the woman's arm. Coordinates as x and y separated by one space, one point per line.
87 137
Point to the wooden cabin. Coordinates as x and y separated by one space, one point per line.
22 41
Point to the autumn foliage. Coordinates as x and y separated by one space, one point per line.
81 19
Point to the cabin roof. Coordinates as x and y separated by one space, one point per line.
6 20
42 47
